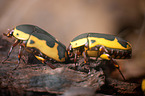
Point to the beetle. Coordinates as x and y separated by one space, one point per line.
105 46
38 42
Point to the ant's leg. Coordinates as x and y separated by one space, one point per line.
44 62
15 44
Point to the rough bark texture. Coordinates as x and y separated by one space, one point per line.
40 79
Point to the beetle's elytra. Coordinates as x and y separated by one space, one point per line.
39 42
105 46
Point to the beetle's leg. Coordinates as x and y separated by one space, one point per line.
44 61
117 67
20 54
69 51
15 44
85 57
86 61
49 64
75 60
108 57
19 57
105 56
102 50
22 46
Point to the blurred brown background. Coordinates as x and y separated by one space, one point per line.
65 19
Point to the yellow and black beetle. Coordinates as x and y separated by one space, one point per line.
105 46
38 42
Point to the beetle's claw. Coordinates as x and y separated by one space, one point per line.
24 61
121 74
16 67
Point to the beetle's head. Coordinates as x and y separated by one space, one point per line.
10 33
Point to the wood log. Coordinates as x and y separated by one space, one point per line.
40 79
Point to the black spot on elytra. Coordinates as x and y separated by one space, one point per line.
17 34
32 42
93 41
50 44
61 52
50 41
99 35
124 43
